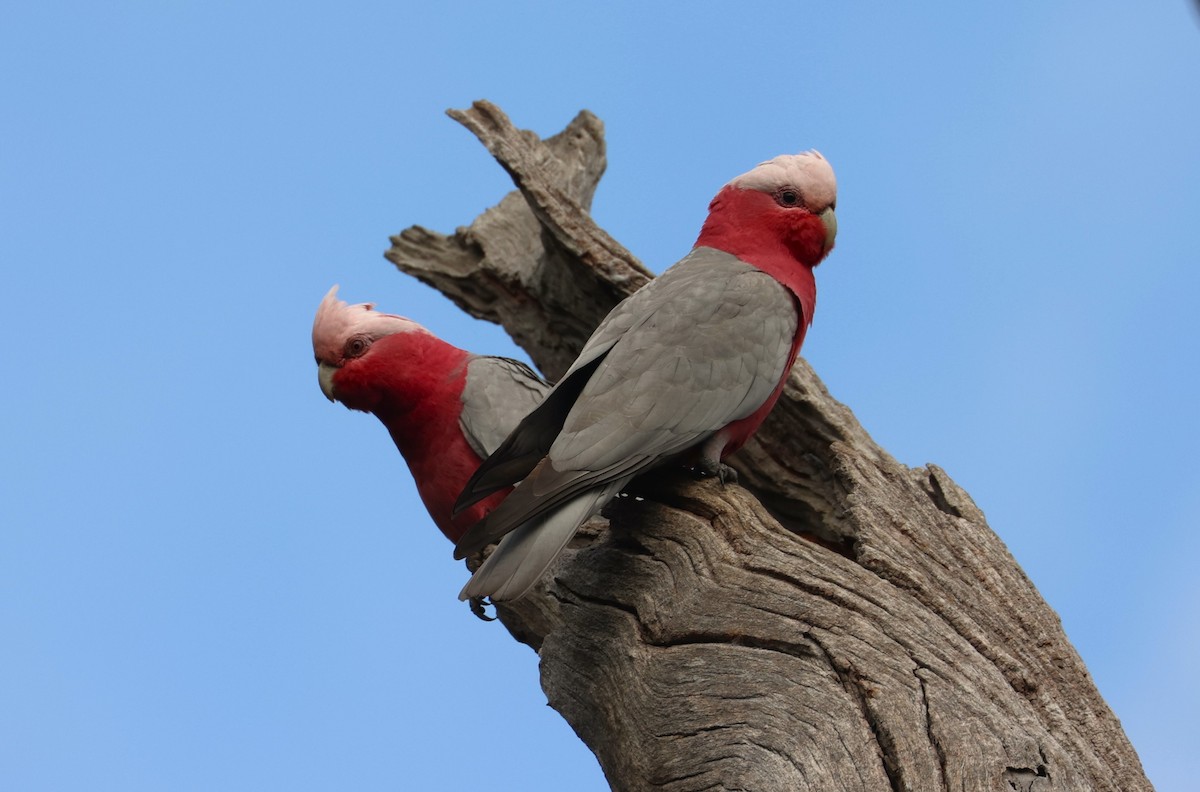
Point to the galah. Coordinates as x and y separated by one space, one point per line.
684 369
445 408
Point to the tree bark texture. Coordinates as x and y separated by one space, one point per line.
838 621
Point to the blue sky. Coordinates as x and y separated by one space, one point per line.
212 579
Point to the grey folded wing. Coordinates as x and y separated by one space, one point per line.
702 346
499 392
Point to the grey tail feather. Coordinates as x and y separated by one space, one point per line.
525 553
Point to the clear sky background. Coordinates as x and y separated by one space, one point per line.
213 579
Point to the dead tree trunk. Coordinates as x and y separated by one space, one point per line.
838 622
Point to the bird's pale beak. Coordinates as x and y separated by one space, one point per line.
829 220
325 374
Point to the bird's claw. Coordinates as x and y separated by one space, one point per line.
477 605
724 473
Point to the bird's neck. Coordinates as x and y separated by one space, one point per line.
421 406
441 461
414 378
745 224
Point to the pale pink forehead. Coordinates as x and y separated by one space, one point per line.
808 172
337 321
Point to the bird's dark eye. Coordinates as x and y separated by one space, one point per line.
788 197
356 346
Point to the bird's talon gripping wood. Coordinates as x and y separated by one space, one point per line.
719 470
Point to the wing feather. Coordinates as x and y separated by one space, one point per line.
695 367
701 346
528 443
499 392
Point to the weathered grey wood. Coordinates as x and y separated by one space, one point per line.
548 278
840 621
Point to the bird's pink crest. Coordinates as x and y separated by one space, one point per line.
337 321
808 171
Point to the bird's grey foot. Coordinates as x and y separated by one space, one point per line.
708 469
478 605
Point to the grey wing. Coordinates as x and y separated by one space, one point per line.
521 450
711 351
499 392
712 342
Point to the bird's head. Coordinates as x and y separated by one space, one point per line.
357 349
784 203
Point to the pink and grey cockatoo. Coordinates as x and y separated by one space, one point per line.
446 409
686 368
